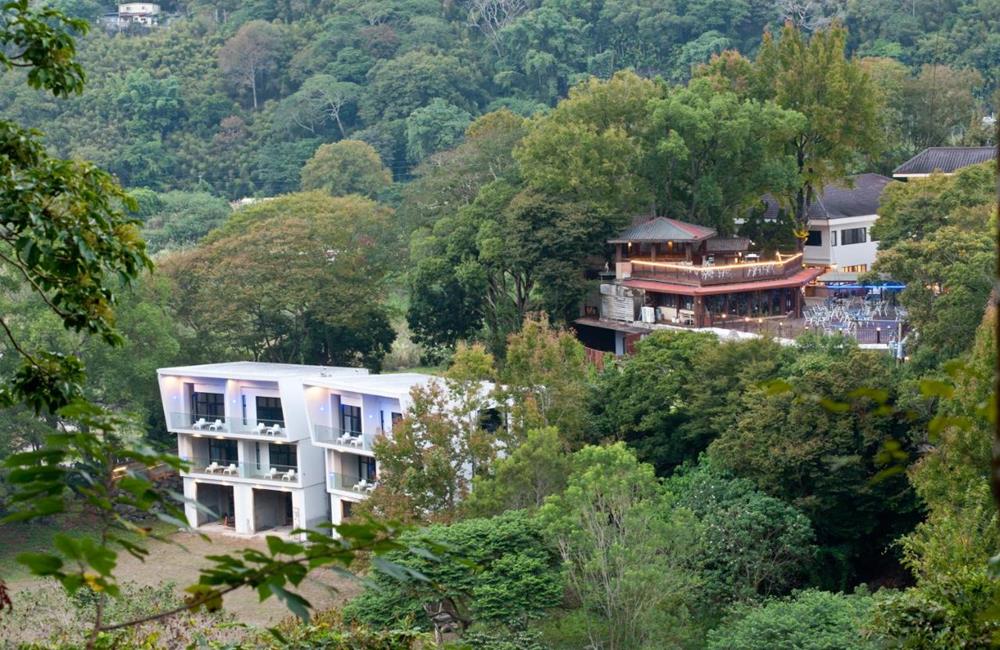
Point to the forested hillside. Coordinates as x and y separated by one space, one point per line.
232 98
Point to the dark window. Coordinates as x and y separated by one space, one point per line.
208 405
490 420
854 236
833 237
345 510
350 418
366 468
815 238
222 451
396 419
269 410
256 449
282 456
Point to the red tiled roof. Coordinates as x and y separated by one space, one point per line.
661 229
800 279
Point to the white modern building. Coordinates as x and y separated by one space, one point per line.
278 446
840 221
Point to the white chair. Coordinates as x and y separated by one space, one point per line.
261 429
200 424
231 469
360 485
273 430
272 474
344 439
213 468
371 487
289 475
216 426
356 441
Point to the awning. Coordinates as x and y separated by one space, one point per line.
617 326
800 279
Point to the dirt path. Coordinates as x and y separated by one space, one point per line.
172 563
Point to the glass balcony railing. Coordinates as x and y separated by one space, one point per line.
222 424
350 483
237 469
352 440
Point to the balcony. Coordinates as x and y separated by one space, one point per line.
214 424
286 474
350 483
701 276
347 440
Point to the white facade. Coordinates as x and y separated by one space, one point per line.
853 256
144 13
266 442
346 415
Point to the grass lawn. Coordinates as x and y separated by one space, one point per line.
19 537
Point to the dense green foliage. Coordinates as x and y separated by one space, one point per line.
811 620
235 97
500 570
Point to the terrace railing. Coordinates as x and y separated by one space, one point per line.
349 483
713 275
216 424
236 469
347 440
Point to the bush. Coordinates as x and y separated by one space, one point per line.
811 620
498 569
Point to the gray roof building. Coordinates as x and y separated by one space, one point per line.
945 160
841 200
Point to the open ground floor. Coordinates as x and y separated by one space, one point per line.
248 508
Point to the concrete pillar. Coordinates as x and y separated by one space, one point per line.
191 494
243 508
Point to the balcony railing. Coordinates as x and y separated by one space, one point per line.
712 275
236 469
350 483
351 440
222 424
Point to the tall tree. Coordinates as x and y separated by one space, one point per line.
295 279
812 76
250 54
346 167
627 549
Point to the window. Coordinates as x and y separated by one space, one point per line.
854 236
282 456
396 419
269 410
490 420
350 418
208 405
222 452
345 510
815 238
366 468
833 237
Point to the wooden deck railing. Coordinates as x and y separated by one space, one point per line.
712 275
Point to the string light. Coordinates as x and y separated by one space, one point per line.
707 269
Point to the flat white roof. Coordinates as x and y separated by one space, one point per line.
396 385
259 370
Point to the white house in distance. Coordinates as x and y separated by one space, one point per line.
840 221
279 446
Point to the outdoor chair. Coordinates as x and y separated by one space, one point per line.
356 441
260 430
231 469
371 487
213 468
215 426
273 430
345 439
361 485
272 474
289 475
200 424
